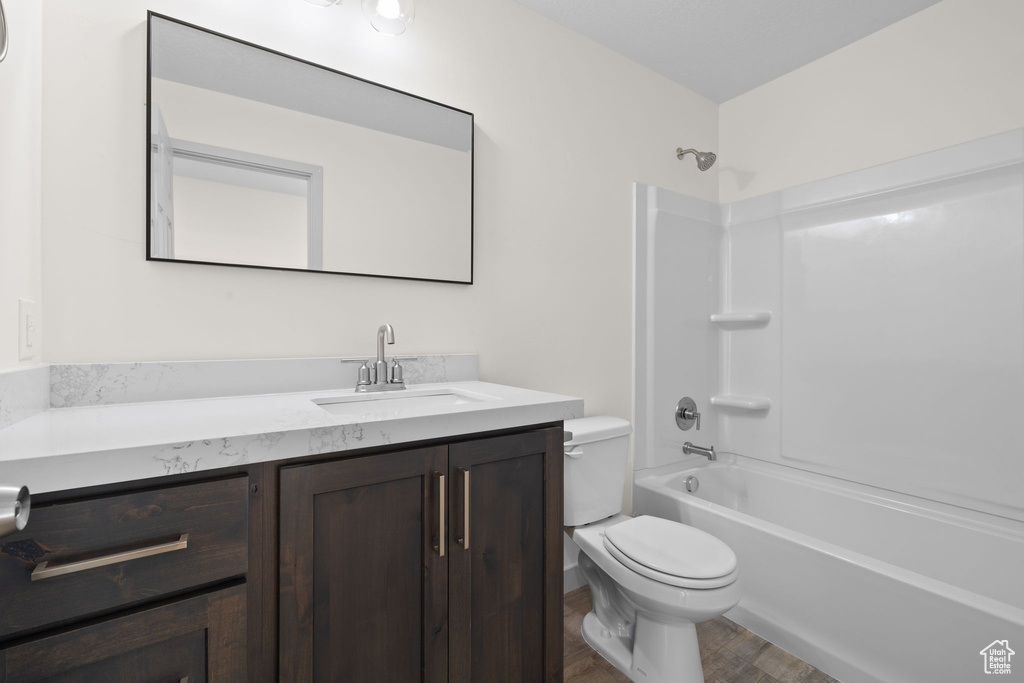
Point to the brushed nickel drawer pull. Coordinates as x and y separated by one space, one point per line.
464 541
442 501
44 571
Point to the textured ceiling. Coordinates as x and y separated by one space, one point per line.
723 48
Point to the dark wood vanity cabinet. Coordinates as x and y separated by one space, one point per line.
439 562
432 564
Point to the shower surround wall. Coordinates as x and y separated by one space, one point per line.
876 332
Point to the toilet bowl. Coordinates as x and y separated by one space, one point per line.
652 580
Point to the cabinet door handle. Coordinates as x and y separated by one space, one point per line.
43 570
441 502
464 540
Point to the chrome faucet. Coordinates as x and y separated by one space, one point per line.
380 376
381 366
709 452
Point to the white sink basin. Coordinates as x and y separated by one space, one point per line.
398 403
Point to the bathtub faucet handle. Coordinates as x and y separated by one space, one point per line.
686 414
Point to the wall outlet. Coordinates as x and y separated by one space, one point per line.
28 332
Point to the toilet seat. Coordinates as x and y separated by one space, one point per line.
671 553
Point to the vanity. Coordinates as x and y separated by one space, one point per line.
407 535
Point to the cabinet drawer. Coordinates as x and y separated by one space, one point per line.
198 639
80 558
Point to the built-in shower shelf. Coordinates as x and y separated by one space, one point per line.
741 318
742 402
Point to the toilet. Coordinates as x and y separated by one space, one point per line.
652 580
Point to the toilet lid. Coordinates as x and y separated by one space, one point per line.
671 548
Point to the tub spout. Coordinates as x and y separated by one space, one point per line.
709 452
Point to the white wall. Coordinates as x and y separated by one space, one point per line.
564 127
20 103
951 73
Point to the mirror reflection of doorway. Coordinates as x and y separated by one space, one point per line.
213 204
161 213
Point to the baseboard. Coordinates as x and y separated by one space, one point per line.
572 578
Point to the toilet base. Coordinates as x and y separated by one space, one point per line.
616 649
659 653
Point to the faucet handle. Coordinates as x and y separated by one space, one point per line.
364 371
686 414
364 374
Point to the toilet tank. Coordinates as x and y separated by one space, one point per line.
595 468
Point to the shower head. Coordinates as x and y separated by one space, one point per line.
705 160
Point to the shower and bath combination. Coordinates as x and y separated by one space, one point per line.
705 160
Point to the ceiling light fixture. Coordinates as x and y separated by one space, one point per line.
390 17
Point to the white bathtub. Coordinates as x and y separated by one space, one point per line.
864 584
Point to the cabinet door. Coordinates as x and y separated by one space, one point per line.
197 639
362 587
505 561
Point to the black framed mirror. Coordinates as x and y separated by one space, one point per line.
262 160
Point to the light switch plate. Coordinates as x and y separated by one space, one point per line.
28 332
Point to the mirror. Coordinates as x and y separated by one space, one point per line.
262 160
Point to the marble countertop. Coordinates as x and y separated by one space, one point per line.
68 448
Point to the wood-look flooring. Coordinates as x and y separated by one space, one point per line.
729 653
